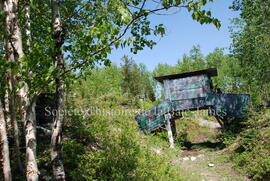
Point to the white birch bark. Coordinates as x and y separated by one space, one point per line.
27 14
3 131
29 118
15 49
5 147
6 104
56 155
28 113
11 115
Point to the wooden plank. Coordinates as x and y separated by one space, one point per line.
233 105
228 105
188 94
154 117
187 88
169 129
186 83
209 72
189 104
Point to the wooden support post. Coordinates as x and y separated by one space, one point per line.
223 121
173 125
169 129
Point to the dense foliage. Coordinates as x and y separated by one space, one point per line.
251 47
106 143
101 140
252 145
136 79
48 44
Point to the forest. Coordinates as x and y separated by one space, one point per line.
57 53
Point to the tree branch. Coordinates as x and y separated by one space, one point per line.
120 35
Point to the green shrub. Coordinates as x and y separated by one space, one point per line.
181 138
102 147
253 153
227 138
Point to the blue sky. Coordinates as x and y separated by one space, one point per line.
182 33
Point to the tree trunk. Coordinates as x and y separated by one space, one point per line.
56 154
12 117
174 130
6 110
28 26
15 51
5 148
29 118
29 112
58 36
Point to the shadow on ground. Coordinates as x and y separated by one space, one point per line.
204 145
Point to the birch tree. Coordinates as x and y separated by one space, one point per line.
14 49
3 129
5 147
10 103
58 57
92 30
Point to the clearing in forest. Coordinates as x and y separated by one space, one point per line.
203 159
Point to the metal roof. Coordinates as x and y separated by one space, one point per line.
210 72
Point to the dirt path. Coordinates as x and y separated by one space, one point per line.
210 124
204 162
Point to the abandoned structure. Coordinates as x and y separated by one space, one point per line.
46 102
191 91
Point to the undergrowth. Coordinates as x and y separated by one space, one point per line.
109 146
252 153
